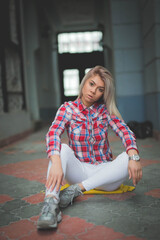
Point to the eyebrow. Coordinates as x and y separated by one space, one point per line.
98 86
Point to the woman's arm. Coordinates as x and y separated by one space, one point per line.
53 137
53 147
129 141
55 176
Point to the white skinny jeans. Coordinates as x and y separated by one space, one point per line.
106 176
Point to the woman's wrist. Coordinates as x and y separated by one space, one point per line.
133 155
54 158
132 152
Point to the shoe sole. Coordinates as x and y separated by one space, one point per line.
47 225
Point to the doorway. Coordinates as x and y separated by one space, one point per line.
76 56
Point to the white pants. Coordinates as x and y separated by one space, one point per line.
106 176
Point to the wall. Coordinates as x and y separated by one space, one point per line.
47 67
150 11
14 122
128 58
30 45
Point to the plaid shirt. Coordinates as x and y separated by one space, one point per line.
87 129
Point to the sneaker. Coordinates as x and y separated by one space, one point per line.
50 215
68 194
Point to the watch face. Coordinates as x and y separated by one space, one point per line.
136 157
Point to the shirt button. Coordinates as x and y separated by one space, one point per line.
91 139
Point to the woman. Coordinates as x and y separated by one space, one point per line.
87 162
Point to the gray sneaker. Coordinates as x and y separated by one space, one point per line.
50 214
68 194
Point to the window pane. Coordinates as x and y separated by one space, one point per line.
80 42
71 82
87 70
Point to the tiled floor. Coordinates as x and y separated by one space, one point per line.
128 216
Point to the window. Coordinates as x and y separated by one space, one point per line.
87 70
80 42
71 82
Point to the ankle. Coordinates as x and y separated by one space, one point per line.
82 187
50 195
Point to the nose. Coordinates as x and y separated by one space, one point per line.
93 90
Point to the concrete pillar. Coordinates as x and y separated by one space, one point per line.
128 58
150 11
56 82
30 44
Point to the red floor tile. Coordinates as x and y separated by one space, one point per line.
154 193
5 198
34 170
34 218
72 226
147 146
18 229
34 199
146 162
29 151
120 197
132 238
3 237
10 152
101 232
46 235
83 198
69 228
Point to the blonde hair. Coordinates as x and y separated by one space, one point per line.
108 97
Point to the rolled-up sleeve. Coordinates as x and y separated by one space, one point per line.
53 137
123 131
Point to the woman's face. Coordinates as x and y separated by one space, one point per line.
92 91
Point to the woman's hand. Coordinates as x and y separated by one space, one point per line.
135 171
55 176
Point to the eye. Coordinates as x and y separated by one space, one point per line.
91 83
101 90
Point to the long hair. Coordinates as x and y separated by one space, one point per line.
108 97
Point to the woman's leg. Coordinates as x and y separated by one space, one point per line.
74 172
73 169
107 176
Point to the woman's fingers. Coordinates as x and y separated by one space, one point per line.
135 171
49 182
58 184
53 182
130 174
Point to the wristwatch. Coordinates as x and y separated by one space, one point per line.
134 157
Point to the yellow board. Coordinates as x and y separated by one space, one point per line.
121 189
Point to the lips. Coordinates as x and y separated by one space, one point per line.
89 96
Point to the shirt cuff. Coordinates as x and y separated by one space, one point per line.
49 154
129 148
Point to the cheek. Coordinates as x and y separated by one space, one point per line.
100 95
85 89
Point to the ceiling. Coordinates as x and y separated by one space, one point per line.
73 15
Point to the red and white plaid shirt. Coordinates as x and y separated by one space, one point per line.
87 129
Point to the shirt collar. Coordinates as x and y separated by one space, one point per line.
82 107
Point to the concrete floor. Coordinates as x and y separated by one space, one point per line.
128 216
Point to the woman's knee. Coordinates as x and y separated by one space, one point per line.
65 152
65 149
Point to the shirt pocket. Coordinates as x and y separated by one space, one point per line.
78 131
101 130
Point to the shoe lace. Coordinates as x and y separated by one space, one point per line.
46 208
71 193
